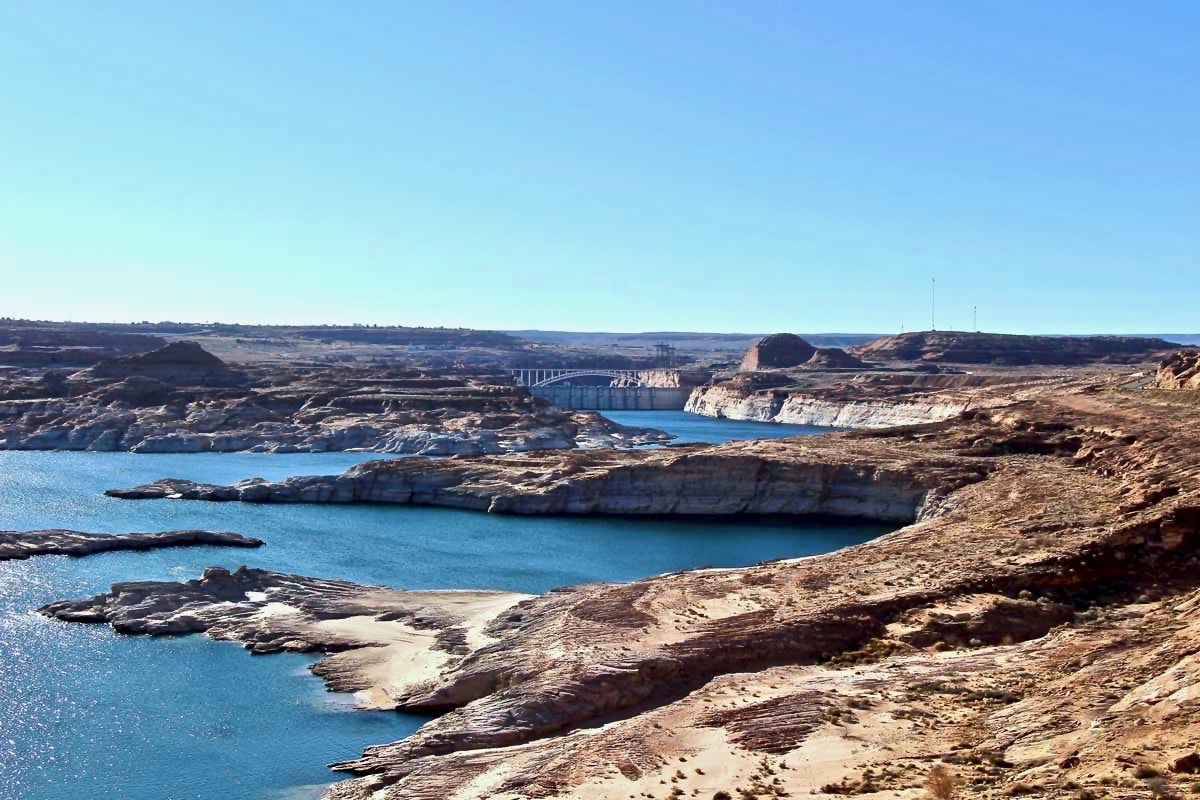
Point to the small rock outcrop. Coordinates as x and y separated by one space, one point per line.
777 351
1179 371
18 545
834 358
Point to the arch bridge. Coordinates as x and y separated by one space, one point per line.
548 377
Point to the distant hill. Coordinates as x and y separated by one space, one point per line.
141 336
965 347
685 340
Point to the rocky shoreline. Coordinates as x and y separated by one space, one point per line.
1034 629
18 545
370 629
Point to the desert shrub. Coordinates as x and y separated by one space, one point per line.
1160 789
940 783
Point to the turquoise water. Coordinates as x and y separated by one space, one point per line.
85 712
695 428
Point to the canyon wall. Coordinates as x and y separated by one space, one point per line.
801 409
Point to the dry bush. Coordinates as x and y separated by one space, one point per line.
1160 789
941 783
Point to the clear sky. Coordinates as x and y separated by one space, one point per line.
724 166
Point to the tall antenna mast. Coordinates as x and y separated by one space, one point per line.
975 318
933 304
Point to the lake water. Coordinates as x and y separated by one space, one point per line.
696 428
86 713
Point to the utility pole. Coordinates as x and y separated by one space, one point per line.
933 304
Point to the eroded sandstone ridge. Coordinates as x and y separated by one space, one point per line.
1179 371
871 400
1035 630
181 399
815 475
16 545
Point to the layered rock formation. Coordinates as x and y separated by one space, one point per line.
34 345
1036 630
864 401
820 475
17 545
963 347
180 399
1179 371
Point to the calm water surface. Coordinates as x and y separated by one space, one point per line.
86 713
695 428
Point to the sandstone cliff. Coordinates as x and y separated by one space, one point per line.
864 401
817 475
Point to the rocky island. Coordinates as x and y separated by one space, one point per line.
182 399
1033 629
18 545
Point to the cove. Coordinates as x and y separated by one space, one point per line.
86 712
697 428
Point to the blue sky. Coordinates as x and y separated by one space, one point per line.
740 166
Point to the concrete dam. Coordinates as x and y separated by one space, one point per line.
629 390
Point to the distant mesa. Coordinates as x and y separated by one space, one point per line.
178 363
787 350
1179 371
31 346
963 347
